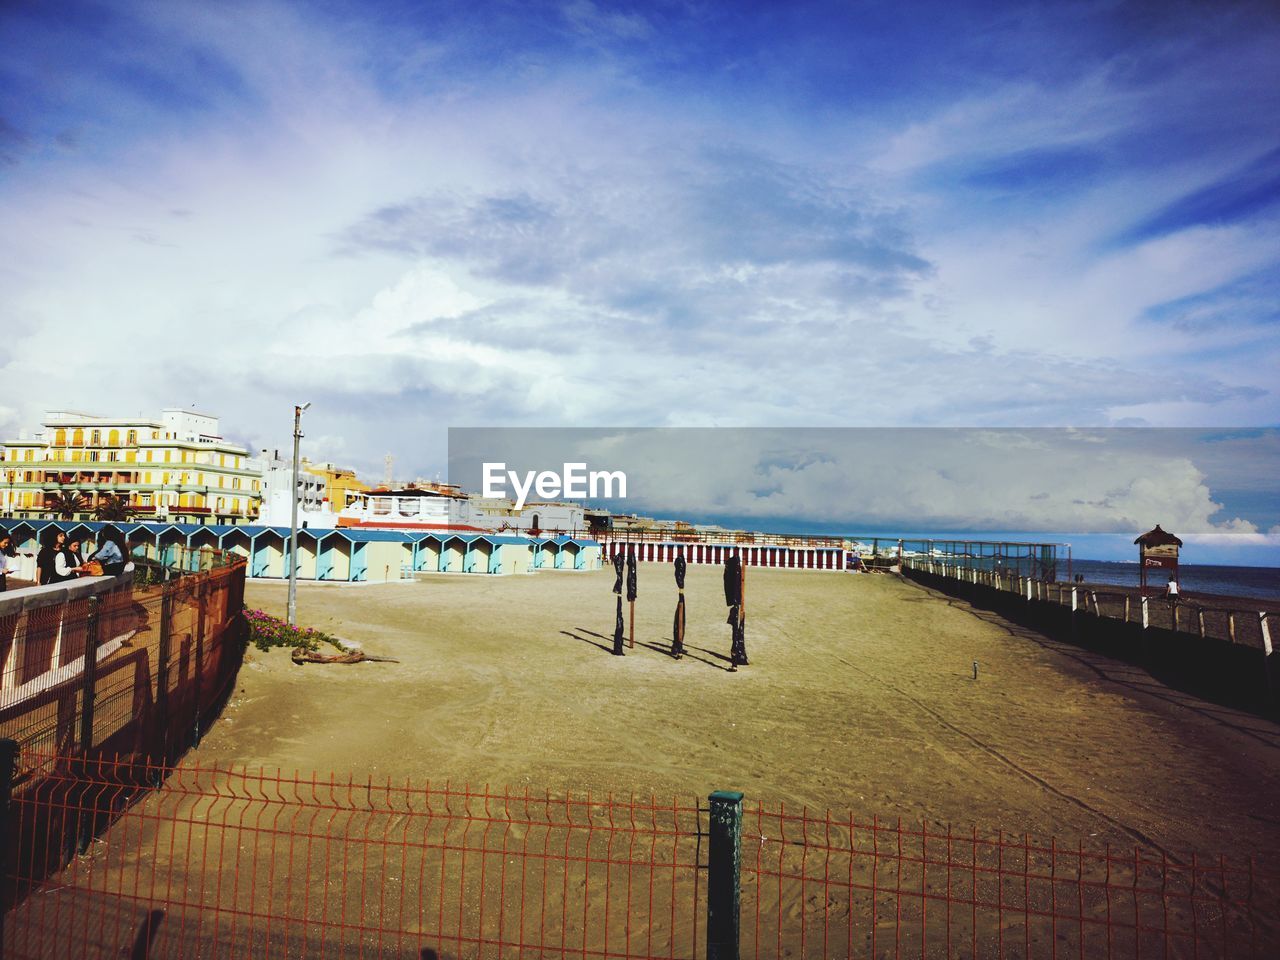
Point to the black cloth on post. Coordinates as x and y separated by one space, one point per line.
617 569
680 567
733 581
632 592
618 630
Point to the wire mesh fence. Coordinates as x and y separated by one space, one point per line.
833 886
159 861
209 862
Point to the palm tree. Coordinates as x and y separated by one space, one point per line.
113 508
65 505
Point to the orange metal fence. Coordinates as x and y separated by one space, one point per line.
195 862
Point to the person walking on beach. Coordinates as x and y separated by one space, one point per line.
51 562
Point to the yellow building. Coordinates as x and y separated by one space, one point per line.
176 468
341 485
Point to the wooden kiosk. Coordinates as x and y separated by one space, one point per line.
1157 551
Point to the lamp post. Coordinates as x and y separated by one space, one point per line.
293 521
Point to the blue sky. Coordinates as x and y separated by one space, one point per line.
424 215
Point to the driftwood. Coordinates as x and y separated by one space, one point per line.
302 655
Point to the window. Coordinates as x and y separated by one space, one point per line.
77 437
93 456
148 456
131 437
95 438
28 455
113 455
168 454
60 438
235 483
113 438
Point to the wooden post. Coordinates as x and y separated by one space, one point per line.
1146 614
1266 647
631 637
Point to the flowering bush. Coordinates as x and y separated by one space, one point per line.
266 631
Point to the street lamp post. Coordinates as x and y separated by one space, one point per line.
293 522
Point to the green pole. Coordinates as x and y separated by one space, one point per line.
724 875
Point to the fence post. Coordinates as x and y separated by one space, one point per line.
89 676
724 875
1266 647
162 671
201 603
8 835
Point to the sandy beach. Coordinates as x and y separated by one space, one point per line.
860 696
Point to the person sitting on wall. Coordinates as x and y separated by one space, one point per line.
51 562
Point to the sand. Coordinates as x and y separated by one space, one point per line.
860 697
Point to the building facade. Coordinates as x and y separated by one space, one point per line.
341 486
177 468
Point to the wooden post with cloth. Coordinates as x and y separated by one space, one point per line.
735 588
617 588
677 625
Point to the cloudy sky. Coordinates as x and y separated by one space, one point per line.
424 215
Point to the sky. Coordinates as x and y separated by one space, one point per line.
419 216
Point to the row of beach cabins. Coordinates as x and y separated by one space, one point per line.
358 554
342 554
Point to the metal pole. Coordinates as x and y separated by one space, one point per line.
293 519
723 874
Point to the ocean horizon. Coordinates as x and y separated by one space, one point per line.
1262 583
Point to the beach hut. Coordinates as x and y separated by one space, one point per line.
267 557
545 552
201 545
237 540
453 555
308 550
567 557
512 555
333 556
479 553
428 557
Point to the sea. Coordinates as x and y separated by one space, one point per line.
1261 583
